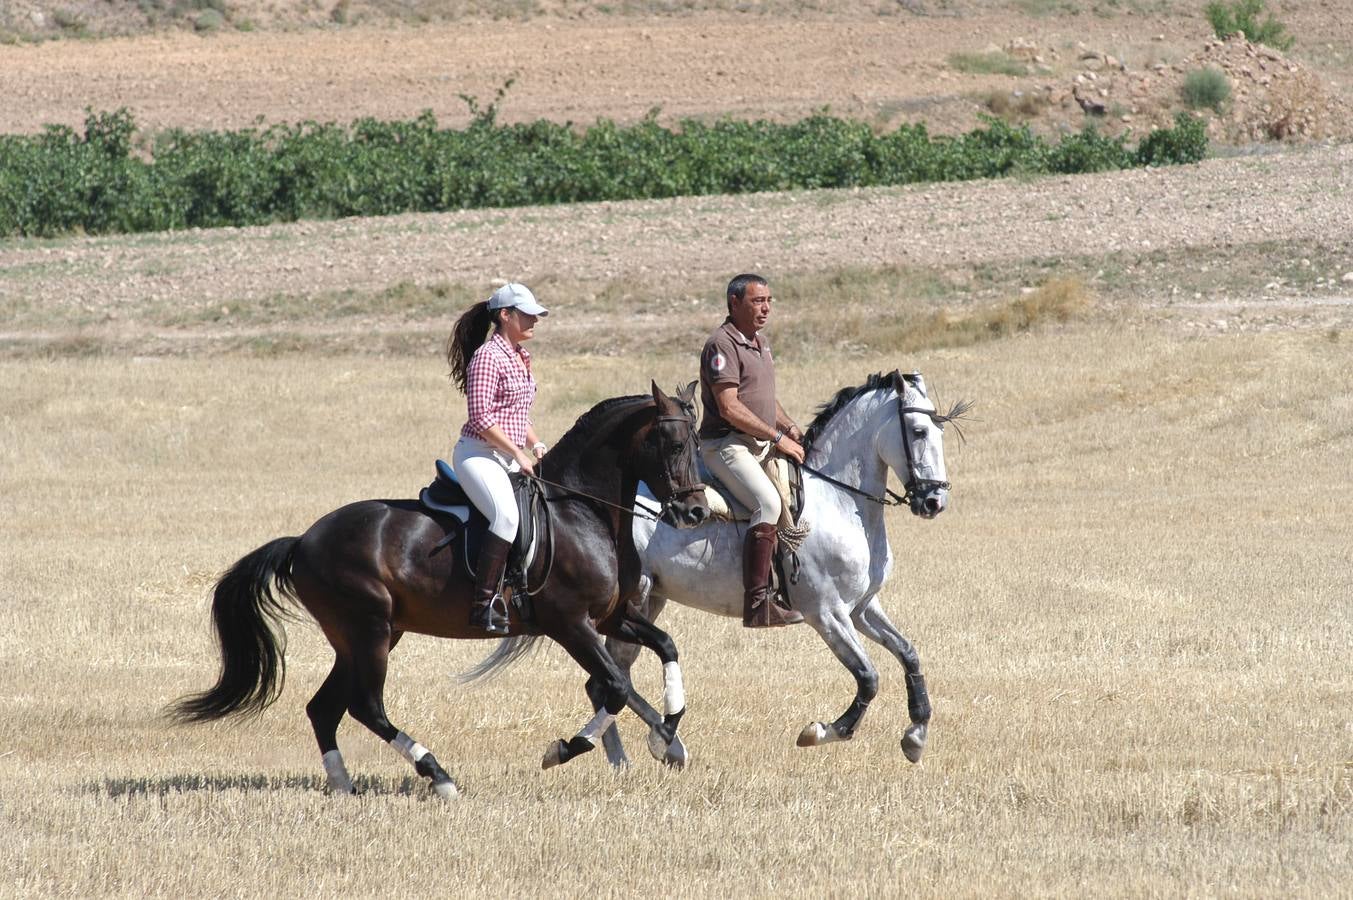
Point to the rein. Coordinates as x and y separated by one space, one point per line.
676 492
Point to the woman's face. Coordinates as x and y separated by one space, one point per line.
517 325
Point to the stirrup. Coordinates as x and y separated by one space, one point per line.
491 617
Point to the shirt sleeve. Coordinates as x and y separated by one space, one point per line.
719 362
481 385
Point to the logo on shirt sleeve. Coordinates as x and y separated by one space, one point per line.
718 362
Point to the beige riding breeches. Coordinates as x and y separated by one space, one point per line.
740 463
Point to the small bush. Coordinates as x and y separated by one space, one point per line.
1206 89
994 63
1243 16
209 20
1185 143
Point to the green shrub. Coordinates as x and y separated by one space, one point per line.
1206 89
1185 143
209 20
60 181
991 63
1243 16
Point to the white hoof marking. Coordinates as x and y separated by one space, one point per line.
813 733
913 743
676 757
339 780
552 755
446 791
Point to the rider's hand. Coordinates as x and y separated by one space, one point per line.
528 465
794 433
791 448
539 448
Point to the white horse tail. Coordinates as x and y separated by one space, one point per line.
508 651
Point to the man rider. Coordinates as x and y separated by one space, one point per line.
743 424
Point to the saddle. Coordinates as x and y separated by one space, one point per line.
446 499
787 477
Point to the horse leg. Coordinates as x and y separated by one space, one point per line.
840 637
584 644
326 710
663 742
370 652
874 623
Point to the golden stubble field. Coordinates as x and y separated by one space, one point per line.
1135 620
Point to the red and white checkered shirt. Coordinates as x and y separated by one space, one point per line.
498 390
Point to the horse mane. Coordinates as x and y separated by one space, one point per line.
840 400
597 421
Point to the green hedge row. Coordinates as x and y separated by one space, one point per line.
106 180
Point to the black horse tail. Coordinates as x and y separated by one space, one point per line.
244 611
508 651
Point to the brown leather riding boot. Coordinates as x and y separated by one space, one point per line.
759 609
488 610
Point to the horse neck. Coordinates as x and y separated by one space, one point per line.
597 457
845 450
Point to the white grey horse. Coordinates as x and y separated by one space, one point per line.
889 422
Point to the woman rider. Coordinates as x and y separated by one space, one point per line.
493 370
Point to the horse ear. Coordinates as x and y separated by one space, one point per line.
658 396
687 394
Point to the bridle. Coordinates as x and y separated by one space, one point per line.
915 486
676 493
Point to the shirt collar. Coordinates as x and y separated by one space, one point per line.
506 346
738 336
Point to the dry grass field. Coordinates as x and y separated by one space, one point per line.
1135 619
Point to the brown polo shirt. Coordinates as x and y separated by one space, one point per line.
729 358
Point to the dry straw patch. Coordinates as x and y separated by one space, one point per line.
1134 619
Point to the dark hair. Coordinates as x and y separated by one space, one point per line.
471 331
737 288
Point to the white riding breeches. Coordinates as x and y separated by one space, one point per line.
739 462
482 470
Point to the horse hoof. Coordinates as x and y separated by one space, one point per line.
554 755
813 733
676 756
446 790
657 744
913 743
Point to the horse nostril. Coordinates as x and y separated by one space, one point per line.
932 505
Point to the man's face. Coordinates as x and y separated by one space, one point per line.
751 313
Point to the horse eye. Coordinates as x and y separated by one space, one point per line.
919 431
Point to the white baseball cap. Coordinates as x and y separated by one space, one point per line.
519 296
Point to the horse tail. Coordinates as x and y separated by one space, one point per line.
244 611
508 651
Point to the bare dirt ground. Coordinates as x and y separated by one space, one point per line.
1254 240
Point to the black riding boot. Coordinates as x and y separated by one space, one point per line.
488 610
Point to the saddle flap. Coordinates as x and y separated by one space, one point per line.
723 504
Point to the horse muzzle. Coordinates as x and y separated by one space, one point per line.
929 504
687 512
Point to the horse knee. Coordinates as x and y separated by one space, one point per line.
614 694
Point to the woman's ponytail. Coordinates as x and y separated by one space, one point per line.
472 329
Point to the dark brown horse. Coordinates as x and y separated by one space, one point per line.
372 570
